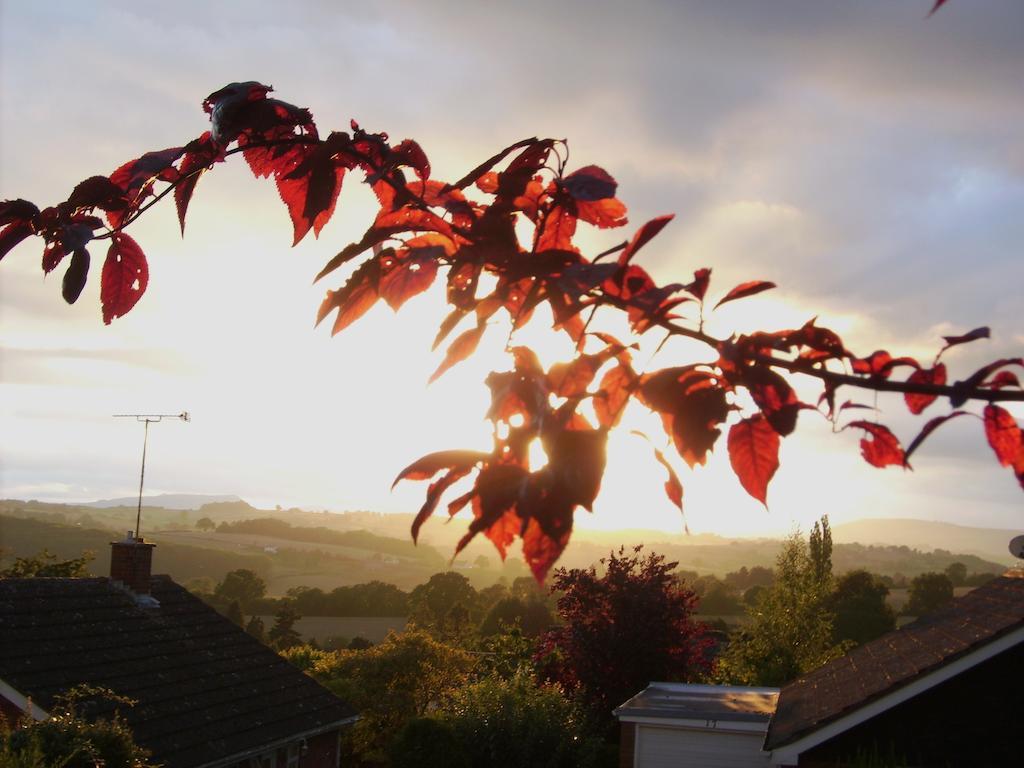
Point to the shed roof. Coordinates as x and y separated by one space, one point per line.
876 669
687 701
206 690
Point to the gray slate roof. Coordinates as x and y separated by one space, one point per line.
690 701
205 688
896 659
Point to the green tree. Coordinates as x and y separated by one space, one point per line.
516 722
819 551
860 608
68 740
205 524
444 604
234 613
928 593
45 563
283 634
426 742
532 616
404 677
957 573
242 585
256 628
791 627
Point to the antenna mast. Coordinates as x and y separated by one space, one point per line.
147 419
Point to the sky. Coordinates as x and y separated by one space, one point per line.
867 159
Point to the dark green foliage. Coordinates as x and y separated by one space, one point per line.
819 550
446 604
256 629
205 524
45 563
283 634
234 613
516 722
359 643
532 616
957 573
505 653
69 740
716 597
393 682
928 593
860 610
241 585
426 742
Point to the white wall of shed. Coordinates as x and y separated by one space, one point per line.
681 748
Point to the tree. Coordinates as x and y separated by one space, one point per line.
283 634
860 608
791 626
622 629
498 270
516 722
532 616
404 677
45 563
234 613
444 604
256 628
205 524
67 739
957 573
242 585
427 742
928 593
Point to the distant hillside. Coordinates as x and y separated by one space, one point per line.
23 537
989 543
165 500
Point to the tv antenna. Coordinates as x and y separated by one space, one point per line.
147 419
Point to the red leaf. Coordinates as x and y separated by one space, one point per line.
489 163
590 183
617 387
699 286
464 345
928 428
16 210
199 154
408 276
918 402
745 289
1003 434
409 153
542 549
75 277
413 220
880 448
605 214
643 236
427 466
354 298
774 397
310 190
124 278
754 454
434 493
557 230
977 333
13 234
1003 379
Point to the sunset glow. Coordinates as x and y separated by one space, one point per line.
834 158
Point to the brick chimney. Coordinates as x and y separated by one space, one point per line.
131 563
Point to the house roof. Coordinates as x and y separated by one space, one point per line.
883 666
205 689
687 701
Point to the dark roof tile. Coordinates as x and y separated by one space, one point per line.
205 688
892 661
